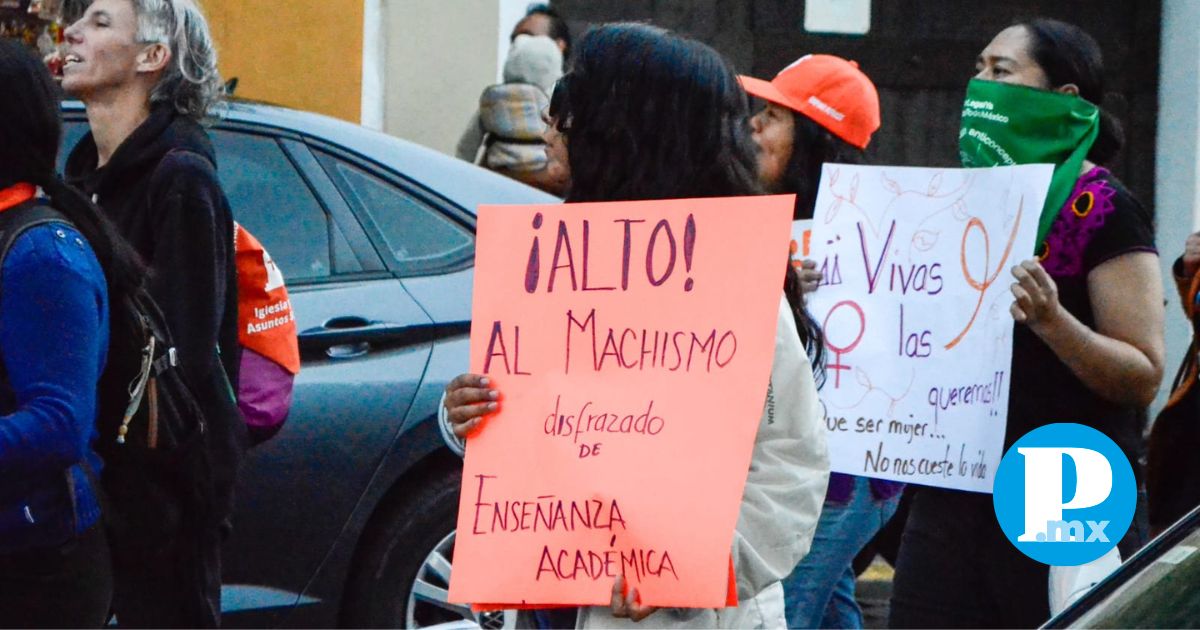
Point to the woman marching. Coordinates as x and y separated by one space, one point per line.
55 568
822 109
646 114
1088 347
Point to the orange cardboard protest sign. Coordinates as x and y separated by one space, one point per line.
632 346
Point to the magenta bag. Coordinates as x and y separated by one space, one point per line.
267 334
264 395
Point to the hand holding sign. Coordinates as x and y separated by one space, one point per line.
915 314
806 268
627 604
1036 295
633 344
469 399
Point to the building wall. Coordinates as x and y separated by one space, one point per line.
411 68
305 54
1177 200
438 57
921 52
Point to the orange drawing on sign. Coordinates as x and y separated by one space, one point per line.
982 286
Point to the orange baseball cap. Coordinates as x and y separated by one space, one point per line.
830 90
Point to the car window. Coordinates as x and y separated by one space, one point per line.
268 197
1162 595
272 201
73 131
418 236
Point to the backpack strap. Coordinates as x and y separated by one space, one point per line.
489 139
178 151
17 220
170 361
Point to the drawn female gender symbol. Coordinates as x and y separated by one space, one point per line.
837 366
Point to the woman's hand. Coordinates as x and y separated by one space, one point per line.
1120 356
468 399
627 606
810 278
1191 255
1036 294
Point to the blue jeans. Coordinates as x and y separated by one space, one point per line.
820 591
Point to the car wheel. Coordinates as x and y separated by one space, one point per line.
427 598
403 574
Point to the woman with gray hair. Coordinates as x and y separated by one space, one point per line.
146 70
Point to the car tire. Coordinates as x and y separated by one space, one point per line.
395 547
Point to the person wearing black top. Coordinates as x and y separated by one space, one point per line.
1087 349
146 71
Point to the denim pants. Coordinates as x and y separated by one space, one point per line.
820 591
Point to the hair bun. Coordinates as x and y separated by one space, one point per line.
1109 141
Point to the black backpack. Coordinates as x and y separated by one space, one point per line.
156 478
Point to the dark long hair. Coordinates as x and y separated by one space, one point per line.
30 134
648 114
1067 54
813 146
651 115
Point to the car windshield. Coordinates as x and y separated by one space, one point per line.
1162 595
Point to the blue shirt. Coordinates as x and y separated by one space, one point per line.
53 341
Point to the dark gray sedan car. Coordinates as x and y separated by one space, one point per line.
1157 587
346 517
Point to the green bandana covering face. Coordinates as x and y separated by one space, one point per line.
1005 124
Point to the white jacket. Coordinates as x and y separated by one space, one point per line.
785 489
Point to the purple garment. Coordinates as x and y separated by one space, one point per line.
841 489
1090 204
264 395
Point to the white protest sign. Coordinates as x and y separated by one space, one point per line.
914 305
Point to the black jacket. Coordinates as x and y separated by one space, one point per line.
161 189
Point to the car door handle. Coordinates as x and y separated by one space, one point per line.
348 351
350 330
356 336
347 323
342 352
343 338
